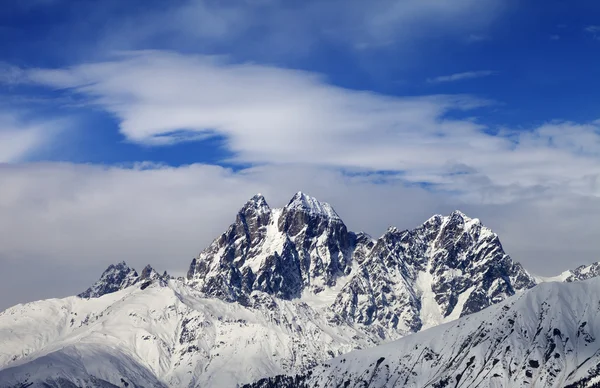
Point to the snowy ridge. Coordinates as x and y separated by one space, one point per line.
545 337
311 205
164 336
119 276
280 291
583 272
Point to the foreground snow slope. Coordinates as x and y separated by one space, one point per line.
163 336
544 337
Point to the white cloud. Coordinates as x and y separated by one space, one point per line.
277 116
20 138
461 76
64 221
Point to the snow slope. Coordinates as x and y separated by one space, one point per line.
544 337
164 336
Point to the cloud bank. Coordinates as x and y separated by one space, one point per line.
64 223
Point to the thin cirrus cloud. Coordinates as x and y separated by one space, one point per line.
277 116
351 23
594 31
461 76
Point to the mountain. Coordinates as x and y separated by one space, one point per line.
116 277
413 279
583 272
281 290
398 284
283 252
545 337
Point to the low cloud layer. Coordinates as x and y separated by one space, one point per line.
64 223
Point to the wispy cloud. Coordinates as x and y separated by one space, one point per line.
274 24
20 138
474 38
277 116
593 30
461 76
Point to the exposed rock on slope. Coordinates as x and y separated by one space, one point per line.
448 267
281 252
546 337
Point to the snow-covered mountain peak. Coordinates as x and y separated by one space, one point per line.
148 273
257 203
583 272
392 230
303 246
457 218
305 203
448 267
456 226
114 278
459 214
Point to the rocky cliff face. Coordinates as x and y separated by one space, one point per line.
303 246
447 268
583 272
116 277
120 276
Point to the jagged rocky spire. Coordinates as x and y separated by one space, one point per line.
114 278
278 251
120 276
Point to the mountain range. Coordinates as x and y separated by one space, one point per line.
283 290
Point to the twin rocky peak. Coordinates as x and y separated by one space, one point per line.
401 282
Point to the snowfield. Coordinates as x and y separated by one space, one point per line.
164 336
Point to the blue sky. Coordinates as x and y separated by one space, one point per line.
149 122
537 61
